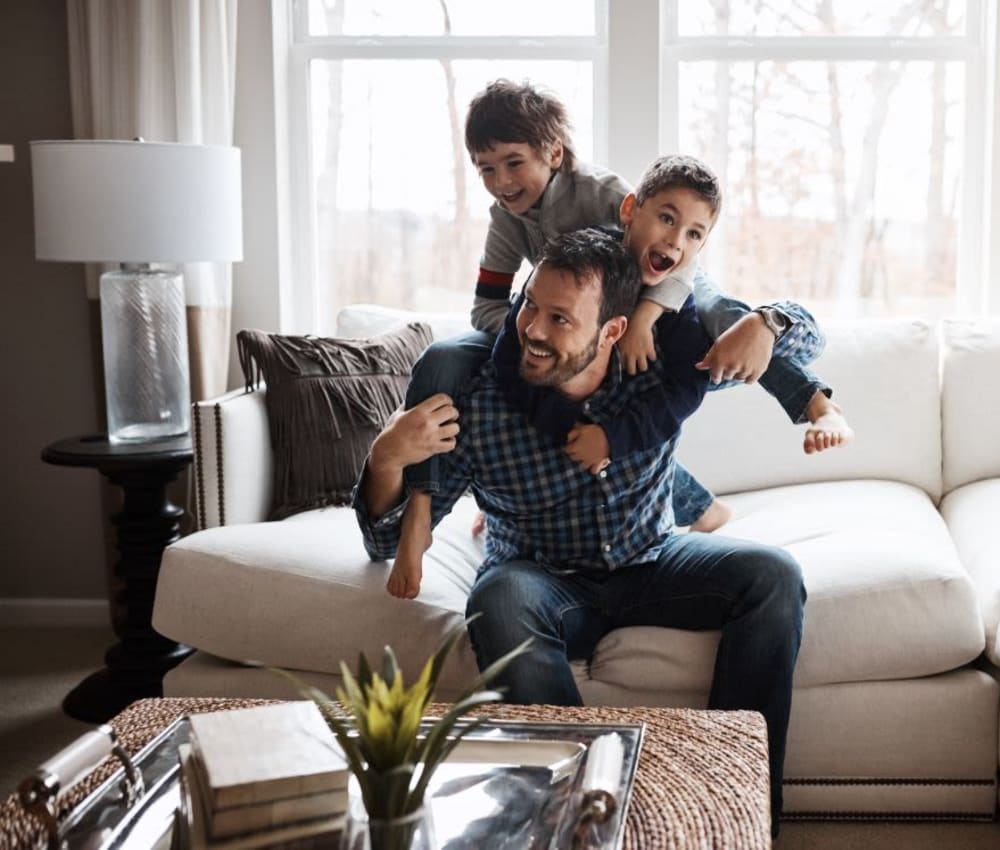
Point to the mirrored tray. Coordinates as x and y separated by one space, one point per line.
508 785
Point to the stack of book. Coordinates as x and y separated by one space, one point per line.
262 777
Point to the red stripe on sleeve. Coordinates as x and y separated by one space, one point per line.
491 278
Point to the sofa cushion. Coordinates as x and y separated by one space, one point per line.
970 512
327 400
970 409
876 556
884 373
302 594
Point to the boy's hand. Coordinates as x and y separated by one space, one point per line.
637 347
414 435
742 353
588 446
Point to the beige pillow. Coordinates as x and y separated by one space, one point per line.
327 399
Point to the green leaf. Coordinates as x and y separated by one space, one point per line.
390 667
364 670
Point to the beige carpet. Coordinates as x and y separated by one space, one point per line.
38 667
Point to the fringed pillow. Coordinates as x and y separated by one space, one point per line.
327 399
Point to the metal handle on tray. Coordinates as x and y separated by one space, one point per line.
40 791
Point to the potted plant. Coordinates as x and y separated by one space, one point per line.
377 721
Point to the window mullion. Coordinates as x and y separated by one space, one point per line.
634 80
810 48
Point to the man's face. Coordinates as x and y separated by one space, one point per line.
516 174
666 232
558 327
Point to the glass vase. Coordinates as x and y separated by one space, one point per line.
414 831
144 335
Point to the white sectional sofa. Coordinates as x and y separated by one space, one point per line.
895 709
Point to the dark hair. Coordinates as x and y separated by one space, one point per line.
593 252
678 170
519 113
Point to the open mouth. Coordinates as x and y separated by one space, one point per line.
511 197
538 351
660 262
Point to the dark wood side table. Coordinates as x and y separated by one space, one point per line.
146 524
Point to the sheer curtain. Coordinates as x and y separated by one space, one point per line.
164 70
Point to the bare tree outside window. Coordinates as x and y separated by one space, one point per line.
841 168
841 176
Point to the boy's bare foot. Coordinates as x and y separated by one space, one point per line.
717 515
414 540
828 427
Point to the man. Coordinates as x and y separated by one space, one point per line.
571 555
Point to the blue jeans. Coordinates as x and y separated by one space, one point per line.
446 366
752 592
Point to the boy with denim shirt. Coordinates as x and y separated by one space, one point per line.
519 139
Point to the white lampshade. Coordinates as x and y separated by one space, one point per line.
139 203
136 202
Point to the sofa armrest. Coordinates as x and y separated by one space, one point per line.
232 459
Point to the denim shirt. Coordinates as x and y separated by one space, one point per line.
542 506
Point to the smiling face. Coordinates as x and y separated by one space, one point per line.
563 344
666 232
516 174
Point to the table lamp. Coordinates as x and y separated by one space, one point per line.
138 203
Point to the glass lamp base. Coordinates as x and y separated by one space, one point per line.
144 332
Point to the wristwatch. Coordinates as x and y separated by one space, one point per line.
776 321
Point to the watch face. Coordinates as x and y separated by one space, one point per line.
776 321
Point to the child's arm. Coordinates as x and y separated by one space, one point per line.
743 352
666 395
747 343
506 246
588 446
637 347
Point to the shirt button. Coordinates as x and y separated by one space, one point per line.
607 547
586 407
602 474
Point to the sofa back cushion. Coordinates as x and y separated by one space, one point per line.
359 321
884 373
970 404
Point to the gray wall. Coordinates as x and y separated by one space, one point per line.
52 524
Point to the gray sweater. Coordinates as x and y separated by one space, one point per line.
588 196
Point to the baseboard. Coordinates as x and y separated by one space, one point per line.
54 613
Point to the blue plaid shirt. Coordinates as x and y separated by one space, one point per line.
542 506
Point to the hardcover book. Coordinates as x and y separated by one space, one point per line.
193 822
266 753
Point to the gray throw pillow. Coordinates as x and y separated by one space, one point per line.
327 399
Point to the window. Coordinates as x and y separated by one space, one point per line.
396 212
849 136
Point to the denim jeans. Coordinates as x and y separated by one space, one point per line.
446 366
753 593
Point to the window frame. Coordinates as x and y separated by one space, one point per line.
634 118
974 293
302 306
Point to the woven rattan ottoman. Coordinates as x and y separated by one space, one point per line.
701 782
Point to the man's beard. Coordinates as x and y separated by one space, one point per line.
564 368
